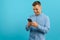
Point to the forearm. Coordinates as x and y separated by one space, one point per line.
43 29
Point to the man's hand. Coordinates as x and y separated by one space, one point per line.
34 24
29 24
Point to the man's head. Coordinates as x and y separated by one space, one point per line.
37 7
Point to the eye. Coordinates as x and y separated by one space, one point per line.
35 9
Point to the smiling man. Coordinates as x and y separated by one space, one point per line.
38 24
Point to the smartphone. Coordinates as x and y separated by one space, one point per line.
29 20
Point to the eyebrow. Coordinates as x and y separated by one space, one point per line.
35 9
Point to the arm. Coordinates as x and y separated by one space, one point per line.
44 28
29 23
28 26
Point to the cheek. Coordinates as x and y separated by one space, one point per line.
40 9
35 10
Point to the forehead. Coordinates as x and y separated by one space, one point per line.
37 6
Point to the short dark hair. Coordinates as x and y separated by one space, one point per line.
36 3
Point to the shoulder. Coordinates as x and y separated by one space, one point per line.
45 17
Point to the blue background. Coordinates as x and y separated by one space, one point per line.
14 14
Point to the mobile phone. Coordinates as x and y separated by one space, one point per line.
29 20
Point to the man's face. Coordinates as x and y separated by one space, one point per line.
37 9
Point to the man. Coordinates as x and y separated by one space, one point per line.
39 25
